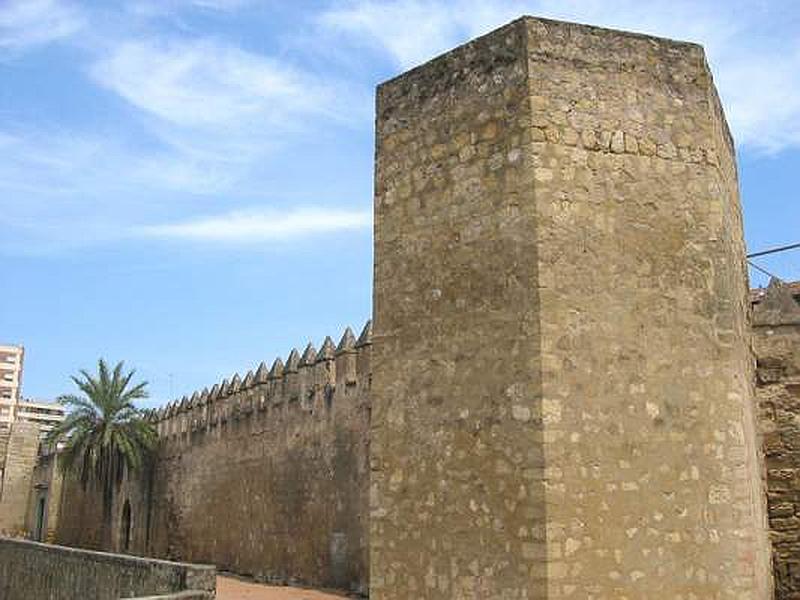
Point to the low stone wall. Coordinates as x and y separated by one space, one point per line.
32 570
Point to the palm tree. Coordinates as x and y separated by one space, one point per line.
104 434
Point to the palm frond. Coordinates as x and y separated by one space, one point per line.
104 434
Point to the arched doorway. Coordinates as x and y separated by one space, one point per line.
125 528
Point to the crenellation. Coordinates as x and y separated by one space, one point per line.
183 419
292 362
327 351
291 387
276 385
346 360
309 357
235 385
249 380
307 382
364 353
236 401
306 377
262 373
325 366
170 423
276 371
224 402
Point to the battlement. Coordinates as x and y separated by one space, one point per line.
257 452
306 383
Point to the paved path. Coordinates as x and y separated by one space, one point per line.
233 589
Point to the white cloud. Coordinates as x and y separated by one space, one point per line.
411 31
248 226
67 163
203 83
218 110
28 23
223 5
160 8
761 94
758 73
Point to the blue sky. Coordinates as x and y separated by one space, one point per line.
187 185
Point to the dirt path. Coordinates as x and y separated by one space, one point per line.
233 589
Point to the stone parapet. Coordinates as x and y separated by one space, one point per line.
31 570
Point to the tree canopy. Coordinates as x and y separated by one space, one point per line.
104 433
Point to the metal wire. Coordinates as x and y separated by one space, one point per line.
764 271
774 250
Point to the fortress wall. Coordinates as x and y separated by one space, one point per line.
264 475
776 340
562 400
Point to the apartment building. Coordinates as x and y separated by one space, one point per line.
13 407
11 359
44 414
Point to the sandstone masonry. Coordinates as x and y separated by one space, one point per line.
562 404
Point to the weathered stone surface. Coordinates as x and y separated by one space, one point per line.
31 570
776 340
562 404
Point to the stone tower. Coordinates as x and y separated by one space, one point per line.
561 377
